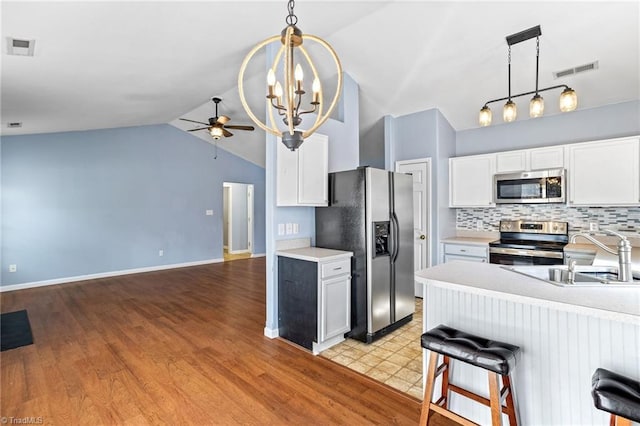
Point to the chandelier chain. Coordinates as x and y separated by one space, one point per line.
291 19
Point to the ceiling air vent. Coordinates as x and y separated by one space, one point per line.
576 70
14 125
20 47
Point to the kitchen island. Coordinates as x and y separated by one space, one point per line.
565 334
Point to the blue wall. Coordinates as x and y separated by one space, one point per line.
426 134
98 201
239 221
609 121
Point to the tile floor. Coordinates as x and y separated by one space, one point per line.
395 359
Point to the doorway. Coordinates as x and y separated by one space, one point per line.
420 169
237 220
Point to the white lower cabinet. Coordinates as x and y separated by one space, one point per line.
314 301
470 253
334 313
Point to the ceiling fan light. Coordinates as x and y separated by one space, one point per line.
509 112
568 100
485 116
216 132
536 106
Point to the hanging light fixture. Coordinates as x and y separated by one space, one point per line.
288 100
568 97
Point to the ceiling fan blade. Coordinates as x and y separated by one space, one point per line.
226 133
223 119
194 121
240 127
199 128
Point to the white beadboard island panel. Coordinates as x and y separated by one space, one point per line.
564 333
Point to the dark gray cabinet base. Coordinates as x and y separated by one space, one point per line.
298 301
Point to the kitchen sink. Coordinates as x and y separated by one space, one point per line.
604 276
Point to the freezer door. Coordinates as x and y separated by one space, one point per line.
404 268
378 268
380 307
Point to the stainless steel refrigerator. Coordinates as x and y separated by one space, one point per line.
370 213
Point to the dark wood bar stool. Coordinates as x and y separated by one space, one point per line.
617 395
498 358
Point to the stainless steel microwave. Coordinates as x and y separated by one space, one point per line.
536 186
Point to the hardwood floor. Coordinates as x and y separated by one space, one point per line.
182 346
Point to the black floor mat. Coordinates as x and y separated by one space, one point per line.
15 330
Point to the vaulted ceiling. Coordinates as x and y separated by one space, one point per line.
116 64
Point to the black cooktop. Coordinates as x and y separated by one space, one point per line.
529 244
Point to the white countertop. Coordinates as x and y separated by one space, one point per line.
476 241
315 254
621 304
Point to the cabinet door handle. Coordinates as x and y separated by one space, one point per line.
462 250
337 269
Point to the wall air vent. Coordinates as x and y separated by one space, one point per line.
576 70
14 125
20 47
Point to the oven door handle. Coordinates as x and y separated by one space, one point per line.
525 252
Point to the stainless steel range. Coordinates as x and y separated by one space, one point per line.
524 242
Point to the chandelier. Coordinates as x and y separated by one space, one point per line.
568 97
289 100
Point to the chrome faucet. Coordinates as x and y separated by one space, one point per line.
623 253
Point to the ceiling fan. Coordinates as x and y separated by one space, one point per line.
217 125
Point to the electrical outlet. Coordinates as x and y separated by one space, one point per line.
13 268
208 212
296 228
289 228
479 225
593 226
160 252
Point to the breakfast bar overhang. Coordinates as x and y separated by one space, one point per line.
564 333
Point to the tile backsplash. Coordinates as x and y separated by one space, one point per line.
616 218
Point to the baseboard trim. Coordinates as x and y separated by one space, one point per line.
271 333
258 254
56 281
239 251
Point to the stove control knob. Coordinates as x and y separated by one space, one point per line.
555 227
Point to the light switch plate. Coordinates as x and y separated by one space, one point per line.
289 228
296 228
281 229
208 212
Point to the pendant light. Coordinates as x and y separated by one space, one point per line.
288 98
509 111
536 106
568 97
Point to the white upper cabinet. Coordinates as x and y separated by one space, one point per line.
511 161
302 175
530 159
471 181
546 158
604 173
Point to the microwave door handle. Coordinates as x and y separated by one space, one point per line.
543 190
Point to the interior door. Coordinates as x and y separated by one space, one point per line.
420 170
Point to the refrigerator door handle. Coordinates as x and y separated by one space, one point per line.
395 238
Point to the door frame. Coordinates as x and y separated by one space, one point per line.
429 202
249 214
